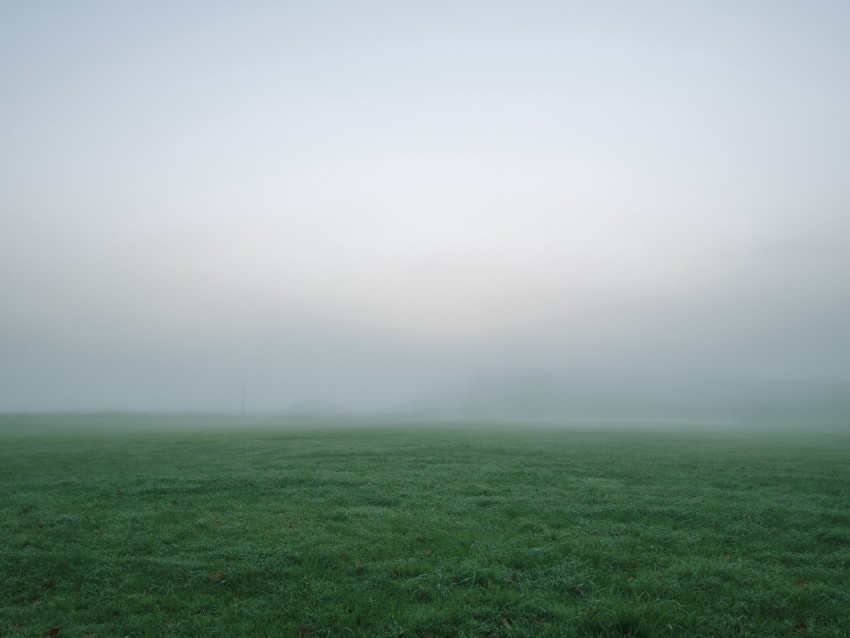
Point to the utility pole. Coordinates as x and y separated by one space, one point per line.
243 393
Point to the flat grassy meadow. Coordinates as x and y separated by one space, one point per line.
194 526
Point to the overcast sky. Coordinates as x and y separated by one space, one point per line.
367 203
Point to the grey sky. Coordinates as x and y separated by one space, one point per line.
364 203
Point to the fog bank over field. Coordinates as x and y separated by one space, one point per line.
467 209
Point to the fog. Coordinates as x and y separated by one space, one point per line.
476 209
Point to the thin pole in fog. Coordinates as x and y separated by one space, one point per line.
243 393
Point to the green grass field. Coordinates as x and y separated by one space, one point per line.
118 526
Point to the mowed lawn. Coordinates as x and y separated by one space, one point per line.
431 531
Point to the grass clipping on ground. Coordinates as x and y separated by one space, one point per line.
424 531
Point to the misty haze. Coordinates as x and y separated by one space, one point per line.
373 208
